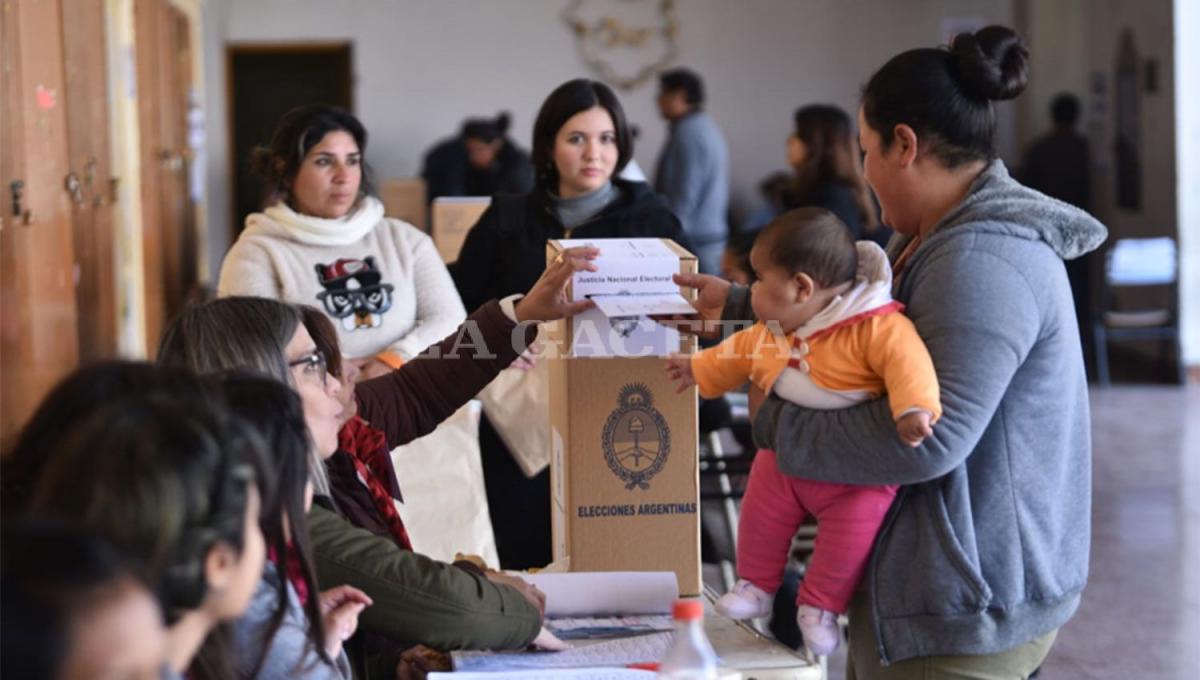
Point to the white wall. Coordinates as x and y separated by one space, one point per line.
424 65
1187 146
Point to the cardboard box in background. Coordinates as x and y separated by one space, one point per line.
625 490
404 199
452 218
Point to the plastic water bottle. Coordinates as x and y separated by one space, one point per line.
690 656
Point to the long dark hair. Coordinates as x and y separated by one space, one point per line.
295 135
276 410
831 156
945 95
165 478
72 400
565 101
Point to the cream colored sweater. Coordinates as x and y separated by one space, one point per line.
380 280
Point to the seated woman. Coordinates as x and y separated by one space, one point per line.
169 478
290 630
581 142
73 608
417 600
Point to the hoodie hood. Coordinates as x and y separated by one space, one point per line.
997 203
280 221
871 291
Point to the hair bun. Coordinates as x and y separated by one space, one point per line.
992 63
503 120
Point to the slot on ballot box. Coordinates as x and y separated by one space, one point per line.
623 444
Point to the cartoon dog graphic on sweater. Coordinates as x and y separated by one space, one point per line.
354 292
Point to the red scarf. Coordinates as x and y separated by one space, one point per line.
372 458
292 570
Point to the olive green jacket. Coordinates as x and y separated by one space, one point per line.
416 598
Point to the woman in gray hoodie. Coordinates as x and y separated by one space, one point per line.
984 554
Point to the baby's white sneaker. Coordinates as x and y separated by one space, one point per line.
745 601
819 628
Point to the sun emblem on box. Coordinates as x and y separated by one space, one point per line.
636 437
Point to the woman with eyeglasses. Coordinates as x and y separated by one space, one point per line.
417 600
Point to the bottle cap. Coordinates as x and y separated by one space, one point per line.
688 610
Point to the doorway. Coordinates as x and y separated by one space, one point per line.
265 82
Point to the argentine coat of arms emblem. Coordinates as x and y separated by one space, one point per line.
636 438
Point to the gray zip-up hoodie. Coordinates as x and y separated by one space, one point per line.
986 546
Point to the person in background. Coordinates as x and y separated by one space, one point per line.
480 161
985 552
1059 165
581 142
323 240
735 261
290 629
824 154
693 168
73 608
174 482
774 189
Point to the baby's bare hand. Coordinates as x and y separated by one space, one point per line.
915 427
679 368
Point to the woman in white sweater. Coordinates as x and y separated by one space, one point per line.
324 241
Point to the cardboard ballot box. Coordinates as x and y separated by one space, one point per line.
623 445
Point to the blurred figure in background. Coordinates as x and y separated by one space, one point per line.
824 153
1058 164
480 161
693 169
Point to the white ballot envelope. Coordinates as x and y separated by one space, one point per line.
632 282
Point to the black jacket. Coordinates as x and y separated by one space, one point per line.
839 198
505 252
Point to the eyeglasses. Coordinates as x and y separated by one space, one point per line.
313 365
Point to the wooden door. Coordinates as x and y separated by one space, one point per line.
146 35
169 232
38 330
84 58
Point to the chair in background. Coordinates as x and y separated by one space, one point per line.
1138 263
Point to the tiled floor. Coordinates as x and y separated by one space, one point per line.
1140 616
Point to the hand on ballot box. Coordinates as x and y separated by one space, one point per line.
679 369
547 299
709 303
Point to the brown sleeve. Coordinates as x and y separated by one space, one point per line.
410 402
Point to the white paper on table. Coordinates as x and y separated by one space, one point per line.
605 653
569 673
642 304
601 593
